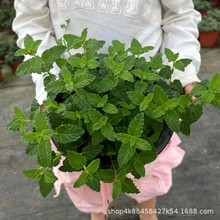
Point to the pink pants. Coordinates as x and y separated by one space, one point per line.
157 181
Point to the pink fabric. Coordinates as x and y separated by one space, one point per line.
157 181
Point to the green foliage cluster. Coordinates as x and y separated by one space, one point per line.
103 108
209 24
215 13
10 58
3 48
7 15
201 5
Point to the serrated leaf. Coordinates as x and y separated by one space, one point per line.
125 153
94 115
172 120
94 184
166 72
147 100
214 82
28 42
108 83
31 137
170 55
126 75
106 175
151 77
32 173
81 180
93 166
171 104
83 80
44 153
56 87
136 126
21 52
33 65
156 61
40 121
129 187
116 189
158 112
101 123
111 64
124 138
91 151
49 177
135 97
142 144
31 149
160 96
198 90
97 137
207 97
108 132
110 109
139 167
176 84
76 160
94 99
45 188
68 133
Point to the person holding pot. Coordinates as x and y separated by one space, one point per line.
161 24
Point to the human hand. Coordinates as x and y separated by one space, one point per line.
188 89
42 108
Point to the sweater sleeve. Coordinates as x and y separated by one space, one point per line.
33 18
180 34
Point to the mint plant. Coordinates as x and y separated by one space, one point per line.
105 111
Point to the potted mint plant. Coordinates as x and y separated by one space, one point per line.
209 31
214 14
202 6
214 2
104 107
11 60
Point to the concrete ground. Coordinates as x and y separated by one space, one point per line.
196 182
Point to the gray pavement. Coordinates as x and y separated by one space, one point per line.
196 182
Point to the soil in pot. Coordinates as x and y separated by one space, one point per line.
208 39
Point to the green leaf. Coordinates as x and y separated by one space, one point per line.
118 46
21 52
108 132
147 100
158 112
94 99
32 173
94 184
68 133
172 120
107 83
101 123
44 153
45 188
81 180
76 160
126 75
94 115
56 87
116 189
40 121
129 187
97 137
139 167
106 175
170 55
151 77
207 97
91 151
142 144
31 137
171 104
124 138
135 97
176 84
33 65
93 166
136 126
49 177
156 61
160 96
214 82
110 108
83 80
166 72
182 64
198 90
31 149
111 64
51 55
125 153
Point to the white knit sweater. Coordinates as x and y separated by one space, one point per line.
160 23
